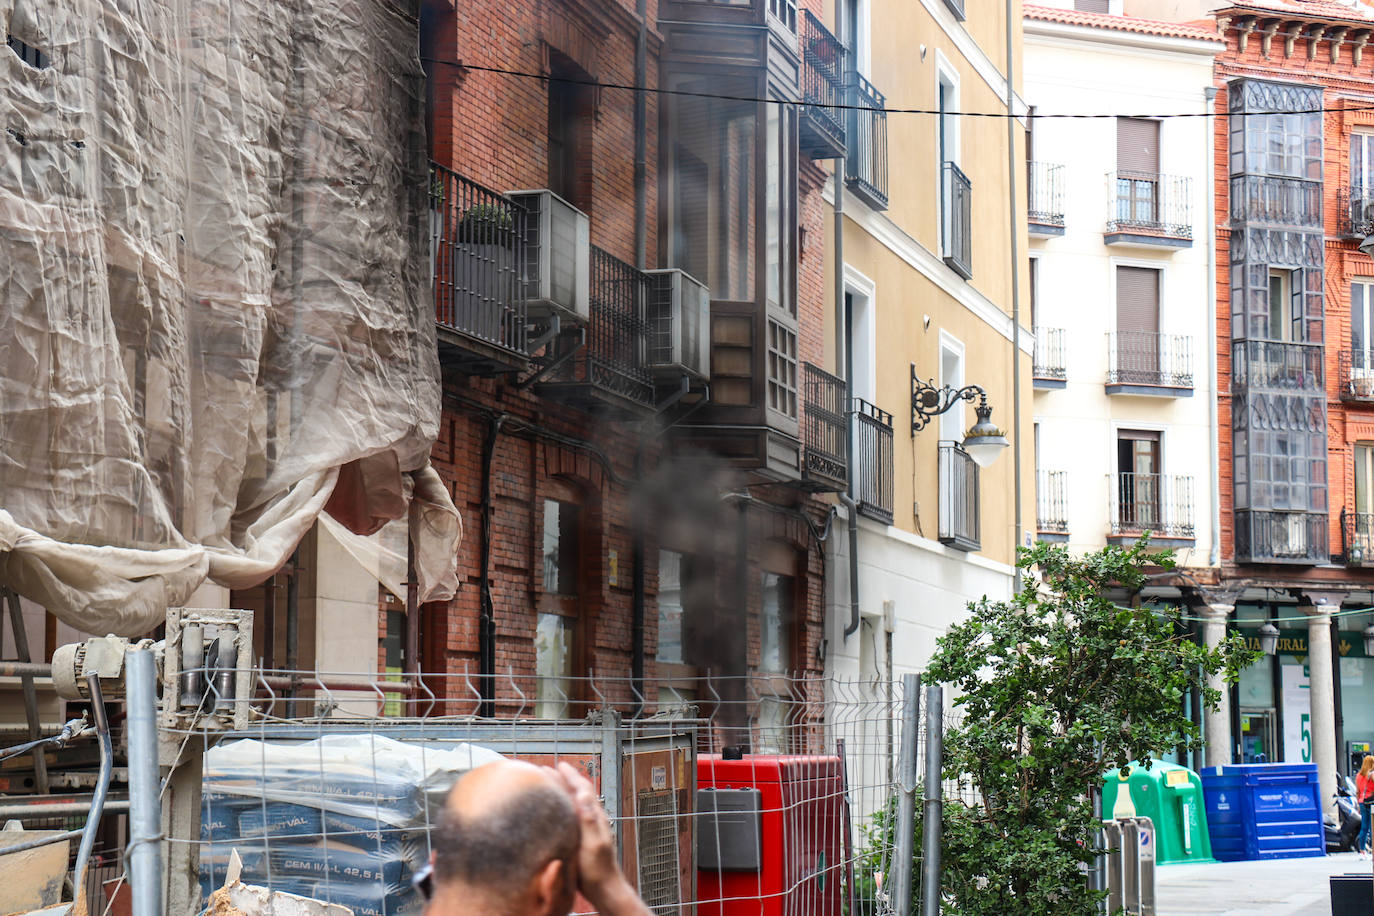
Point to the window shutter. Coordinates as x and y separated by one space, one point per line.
1090 6
1137 299
1137 145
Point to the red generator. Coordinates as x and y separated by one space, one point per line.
769 835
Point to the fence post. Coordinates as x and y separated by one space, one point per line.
933 824
145 805
904 855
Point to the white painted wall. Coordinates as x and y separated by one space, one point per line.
929 585
1104 71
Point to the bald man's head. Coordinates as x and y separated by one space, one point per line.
503 822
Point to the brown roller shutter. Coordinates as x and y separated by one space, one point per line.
1137 299
1137 145
1090 6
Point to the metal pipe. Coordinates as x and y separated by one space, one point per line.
1213 556
638 550
283 682
40 841
412 649
102 786
293 621
58 740
193 665
1012 205
641 128
21 648
844 364
25 669
145 823
906 798
933 823
32 811
486 625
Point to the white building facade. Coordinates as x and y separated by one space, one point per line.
1122 268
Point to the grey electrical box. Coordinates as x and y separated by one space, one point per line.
728 829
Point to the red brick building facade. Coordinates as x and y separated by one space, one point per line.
577 479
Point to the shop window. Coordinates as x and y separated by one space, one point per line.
558 635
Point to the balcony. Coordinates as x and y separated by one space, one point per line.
1288 538
1279 201
608 374
478 244
865 166
959 525
1161 504
1044 200
956 206
823 434
1151 364
1357 375
1355 211
1357 537
821 131
1052 505
1148 210
873 461
1049 368
1271 365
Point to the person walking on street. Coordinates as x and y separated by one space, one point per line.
1364 794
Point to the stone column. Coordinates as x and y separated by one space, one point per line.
1216 723
1323 694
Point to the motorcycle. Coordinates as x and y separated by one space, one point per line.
1342 829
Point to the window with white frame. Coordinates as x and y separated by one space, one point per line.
953 422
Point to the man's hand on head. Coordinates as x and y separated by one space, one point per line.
598 873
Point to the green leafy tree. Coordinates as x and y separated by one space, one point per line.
1055 687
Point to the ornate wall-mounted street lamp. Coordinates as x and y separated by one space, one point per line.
1268 638
983 441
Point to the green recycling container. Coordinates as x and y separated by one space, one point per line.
1171 797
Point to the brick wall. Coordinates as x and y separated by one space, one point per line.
493 128
1346 85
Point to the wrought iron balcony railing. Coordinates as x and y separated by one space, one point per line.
1357 537
609 371
1355 210
873 461
1161 504
1276 366
1275 200
1265 536
1357 375
823 433
956 206
1146 208
959 515
1045 198
1049 363
478 245
821 132
1052 502
1140 361
866 143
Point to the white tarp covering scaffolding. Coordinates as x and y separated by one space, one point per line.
215 300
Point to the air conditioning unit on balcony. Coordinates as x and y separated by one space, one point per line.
557 268
679 320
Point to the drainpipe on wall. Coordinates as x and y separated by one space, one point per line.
844 363
1015 294
486 624
1214 452
637 548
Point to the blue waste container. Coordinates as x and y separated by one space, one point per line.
1264 811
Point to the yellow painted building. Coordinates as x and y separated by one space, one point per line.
929 244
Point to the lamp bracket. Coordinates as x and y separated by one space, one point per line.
929 400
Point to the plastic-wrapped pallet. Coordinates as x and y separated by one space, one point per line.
342 818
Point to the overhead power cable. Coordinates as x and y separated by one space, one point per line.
835 106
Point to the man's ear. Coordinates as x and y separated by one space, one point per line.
548 889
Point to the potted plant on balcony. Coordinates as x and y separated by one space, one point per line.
484 273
